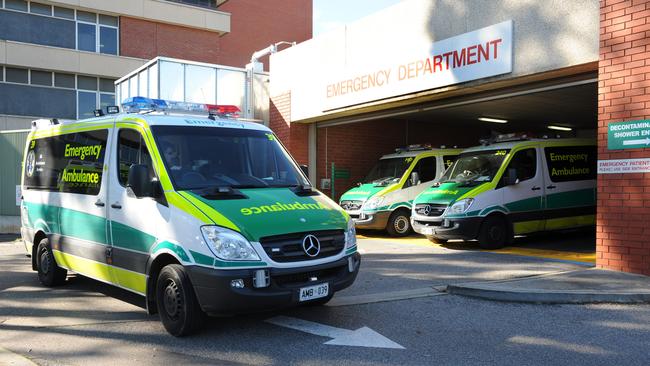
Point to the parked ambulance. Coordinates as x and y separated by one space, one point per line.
383 200
200 214
510 187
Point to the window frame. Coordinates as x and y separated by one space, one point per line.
142 143
514 155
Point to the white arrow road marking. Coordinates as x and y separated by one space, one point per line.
645 141
362 337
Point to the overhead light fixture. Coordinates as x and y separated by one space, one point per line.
559 128
494 120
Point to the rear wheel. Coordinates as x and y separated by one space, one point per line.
399 223
178 307
49 273
494 233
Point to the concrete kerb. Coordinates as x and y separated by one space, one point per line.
500 291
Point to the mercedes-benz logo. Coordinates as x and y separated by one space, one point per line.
426 210
311 245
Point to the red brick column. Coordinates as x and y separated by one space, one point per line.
623 218
295 137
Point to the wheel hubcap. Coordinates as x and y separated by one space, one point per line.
401 224
45 262
172 299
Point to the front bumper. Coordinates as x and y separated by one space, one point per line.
217 297
374 221
464 228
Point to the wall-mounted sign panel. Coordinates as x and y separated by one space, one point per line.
475 55
628 135
624 166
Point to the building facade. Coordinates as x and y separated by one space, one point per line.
61 58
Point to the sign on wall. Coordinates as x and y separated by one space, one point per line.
623 166
628 135
479 54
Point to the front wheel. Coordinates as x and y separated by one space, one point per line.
178 307
49 273
399 223
494 233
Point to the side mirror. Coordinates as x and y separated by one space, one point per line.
415 178
511 178
305 169
139 181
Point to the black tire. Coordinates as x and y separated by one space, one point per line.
494 233
399 223
177 305
49 273
435 240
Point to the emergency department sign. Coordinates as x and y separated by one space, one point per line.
628 135
479 54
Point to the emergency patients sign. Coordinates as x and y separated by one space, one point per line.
469 56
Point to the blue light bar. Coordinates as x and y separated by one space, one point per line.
144 104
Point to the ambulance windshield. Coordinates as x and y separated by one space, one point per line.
206 157
388 171
475 167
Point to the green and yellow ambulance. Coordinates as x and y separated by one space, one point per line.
505 188
200 214
383 200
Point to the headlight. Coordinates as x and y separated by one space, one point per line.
461 206
229 245
373 203
350 235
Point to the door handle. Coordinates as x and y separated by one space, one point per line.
99 203
551 187
536 188
116 205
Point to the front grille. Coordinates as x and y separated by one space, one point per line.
351 205
432 208
429 223
288 247
306 277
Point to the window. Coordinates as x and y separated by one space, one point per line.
448 160
426 169
525 162
210 4
16 75
131 150
86 83
107 85
41 78
16 5
2 73
41 9
67 163
64 80
86 104
64 13
86 37
571 163
108 40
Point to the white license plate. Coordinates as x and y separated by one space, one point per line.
314 292
427 231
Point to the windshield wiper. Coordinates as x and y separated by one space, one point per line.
219 193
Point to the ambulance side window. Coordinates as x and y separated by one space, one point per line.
131 150
67 163
426 168
525 162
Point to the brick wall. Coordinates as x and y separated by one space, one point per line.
295 137
622 232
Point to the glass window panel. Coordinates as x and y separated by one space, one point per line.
37 8
171 81
124 90
86 82
86 37
107 85
231 87
105 100
86 16
16 5
144 82
108 40
153 81
41 78
63 12
15 75
87 104
200 84
64 80
107 20
133 86
2 73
